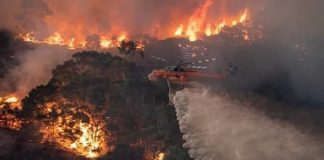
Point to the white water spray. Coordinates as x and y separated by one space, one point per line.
218 128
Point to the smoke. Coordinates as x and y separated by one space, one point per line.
286 64
34 68
218 127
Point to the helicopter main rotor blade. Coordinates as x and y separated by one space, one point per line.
201 61
197 67
158 58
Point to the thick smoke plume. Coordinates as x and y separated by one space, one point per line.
34 68
217 127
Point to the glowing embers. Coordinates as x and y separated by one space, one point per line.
9 107
74 129
160 156
197 25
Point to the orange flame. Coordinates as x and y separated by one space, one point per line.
75 36
11 100
8 105
208 31
86 138
179 31
160 156
197 20
105 42
219 28
197 23
243 16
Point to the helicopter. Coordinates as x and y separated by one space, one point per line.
184 72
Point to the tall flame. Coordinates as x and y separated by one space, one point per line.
196 21
244 16
76 36
197 24
179 31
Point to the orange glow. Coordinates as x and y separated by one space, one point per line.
28 37
197 23
194 26
55 39
71 44
8 106
160 156
10 121
197 20
243 16
246 37
208 31
85 135
179 31
105 43
122 37
234 23
140 45
219 28
11 100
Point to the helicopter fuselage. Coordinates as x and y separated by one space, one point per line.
181 76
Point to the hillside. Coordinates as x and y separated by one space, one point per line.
97 105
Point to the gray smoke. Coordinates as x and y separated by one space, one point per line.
34 68
218 127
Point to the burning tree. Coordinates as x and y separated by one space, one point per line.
131 47
9 108
73 126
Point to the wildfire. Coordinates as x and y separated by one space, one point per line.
104 42
12 101
197 24
160 156
8 107
89 141
122 37
179 31
243 16
219 27
76 36
56 39
75 130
